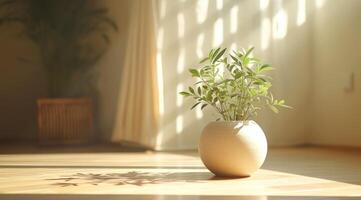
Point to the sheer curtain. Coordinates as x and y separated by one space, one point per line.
137 111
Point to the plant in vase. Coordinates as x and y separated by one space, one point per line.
236 86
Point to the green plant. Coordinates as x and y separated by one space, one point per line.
238 91
71 35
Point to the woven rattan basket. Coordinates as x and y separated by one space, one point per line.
65 121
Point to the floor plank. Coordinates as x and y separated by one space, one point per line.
289 173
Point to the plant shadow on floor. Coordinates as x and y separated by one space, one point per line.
133 178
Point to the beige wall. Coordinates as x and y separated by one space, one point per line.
288 50
315 58
336 116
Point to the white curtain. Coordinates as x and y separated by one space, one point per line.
137 111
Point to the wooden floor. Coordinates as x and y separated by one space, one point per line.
289 173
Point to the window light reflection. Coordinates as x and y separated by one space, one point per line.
265 33
263 4
160 83
301 13
181 25
218 32
279 26
320 3
219 4
200 42
179 124
181 60
234 19
201 10
180 88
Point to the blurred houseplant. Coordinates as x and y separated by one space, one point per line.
71 35
235 85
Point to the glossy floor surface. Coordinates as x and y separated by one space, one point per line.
289 173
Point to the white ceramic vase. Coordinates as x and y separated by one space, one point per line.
236 148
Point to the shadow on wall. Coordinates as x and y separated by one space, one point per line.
188 29
22 83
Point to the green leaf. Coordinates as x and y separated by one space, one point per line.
250 70
238 75
203 106
245 61
194 72
203 60
209 96
248 52
254 60
195 105
219 55
225 61
273 108
286 106
215 53
265 67
191 90
210 53
199 90
258 82
262 79
186 94
271 96
234 58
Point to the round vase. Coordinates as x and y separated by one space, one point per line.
234 148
